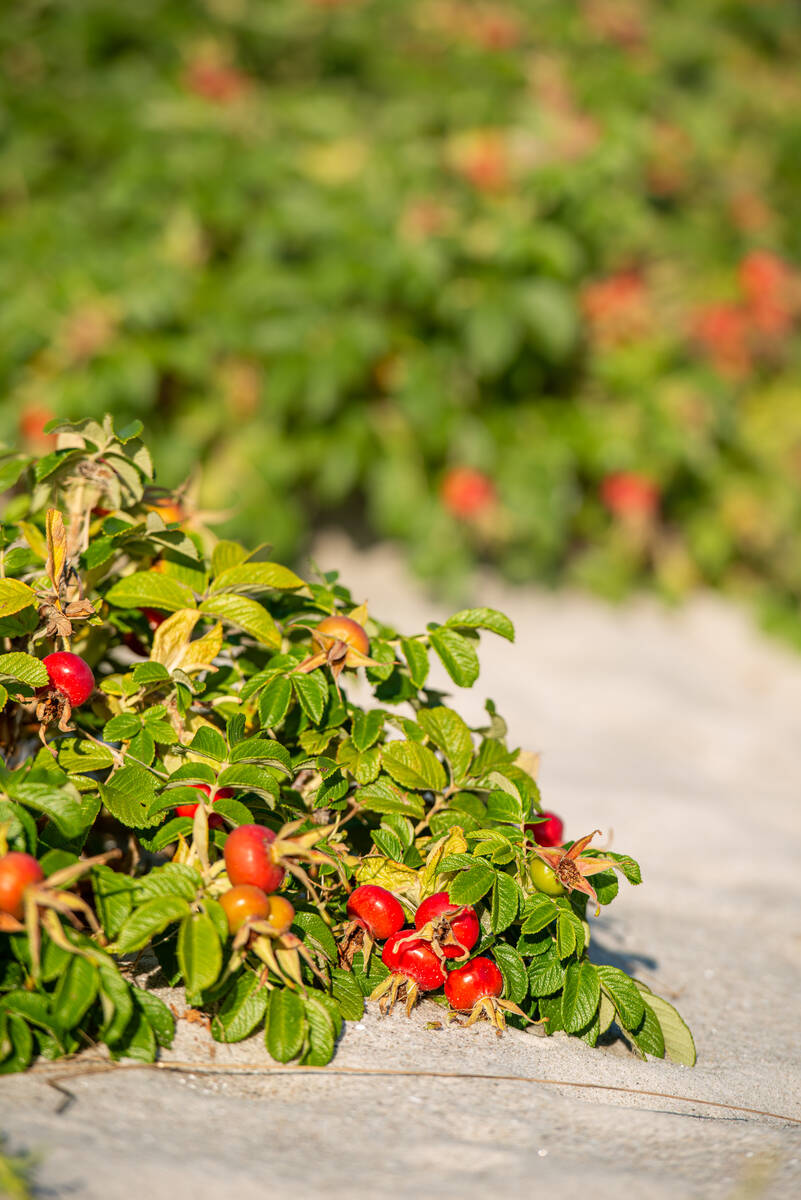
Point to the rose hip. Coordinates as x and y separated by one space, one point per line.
454 928
70 675
249 858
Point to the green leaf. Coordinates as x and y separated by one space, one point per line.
274 702
139 1041
483 618
117 1002
546 974
312 693
469 886
565 936
384 797
366 728
24 667
347 994
457 654
149 919
3 697
247 614
113 894
581 995
158 1015
209 742
171 879
286 1025
505 899
513 970
538 912
151 589
447 730
226 554
624 994
414 766
242 1009
505 807
128 796
75 992
627 865
416 656
316 933
678 1040
14 596
77 756
322 1033
63 805
648 1037
257 576
199 951
250 778
122 728
20 1051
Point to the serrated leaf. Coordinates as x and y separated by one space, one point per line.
286 1025
581 995
274 701
538 912
321 1031
62 804
513 970
245 613
242 1009
416 655
505 807
23 667
150 589
257 576
316 932
546 974
414 766
150 919
457 654
128 796
252 778
75 991
678 1040
171 879
312 693
624 994
448 731
209 742
483 618
157 1014
469 886
113 894
648 1036
14 597
505 899
383 796
565 936
199 950
347 994
366 728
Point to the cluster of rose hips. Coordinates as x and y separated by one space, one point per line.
255 876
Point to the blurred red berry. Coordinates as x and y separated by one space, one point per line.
721 330
467 492
32 421
627 493
215 80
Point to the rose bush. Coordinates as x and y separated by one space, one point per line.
317 826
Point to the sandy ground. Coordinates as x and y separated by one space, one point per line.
679 732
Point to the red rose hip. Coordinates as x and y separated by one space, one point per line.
548 832
376 911
243 904
413 958
475 981
249 858
189 810
454 928
17 872
70 675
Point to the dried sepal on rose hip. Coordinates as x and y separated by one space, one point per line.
452 929
342 642
571 867
70 684
414 968
375 915
477 989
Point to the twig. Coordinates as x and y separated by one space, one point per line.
389 1072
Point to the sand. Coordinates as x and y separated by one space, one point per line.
679 733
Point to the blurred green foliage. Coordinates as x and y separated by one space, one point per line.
335 249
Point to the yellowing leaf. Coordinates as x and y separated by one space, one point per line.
174 650
56 546
454 843
395 877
